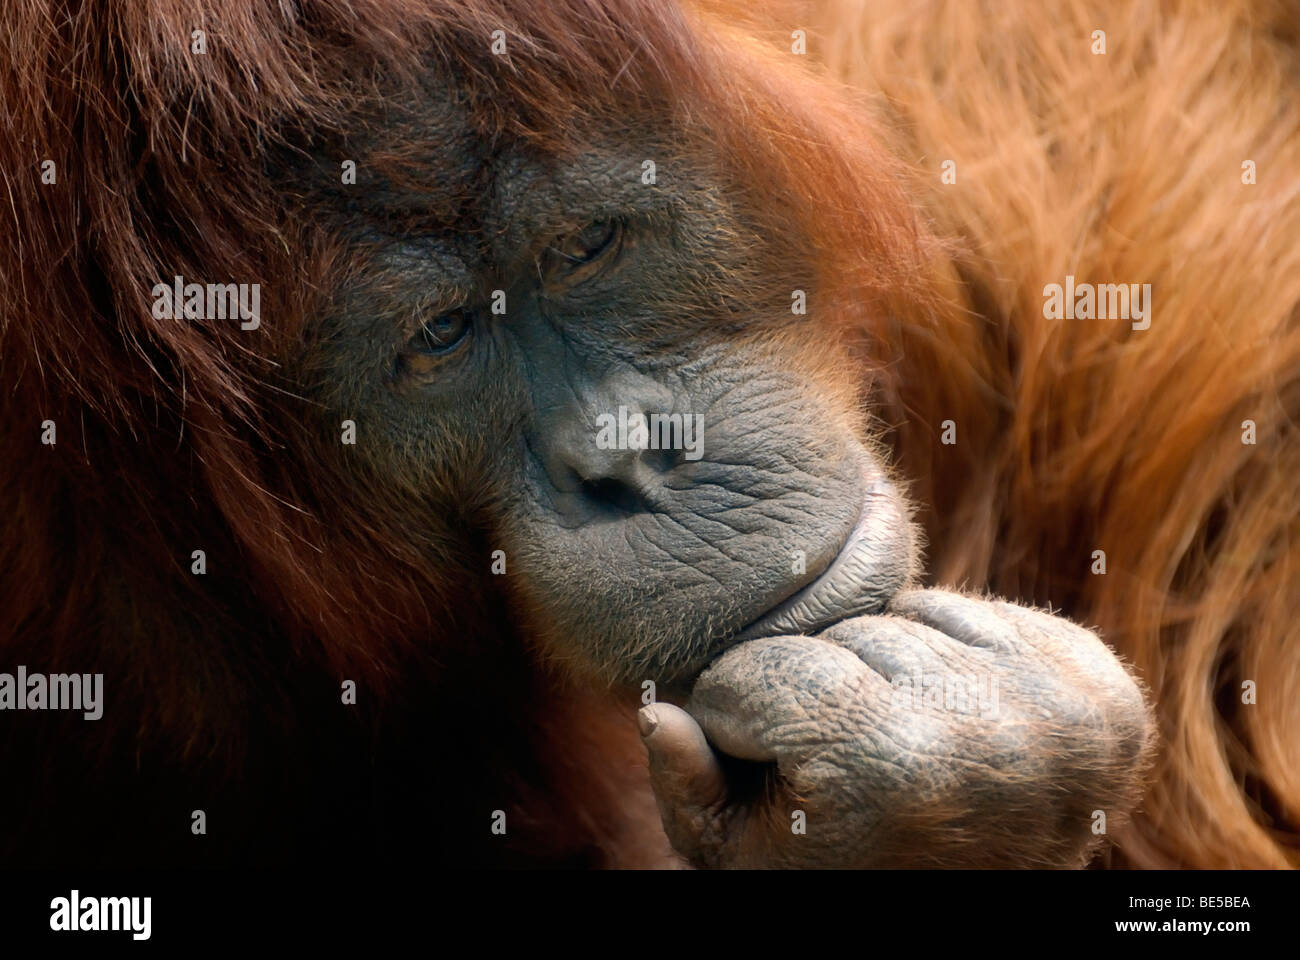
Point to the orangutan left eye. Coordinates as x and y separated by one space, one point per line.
583 254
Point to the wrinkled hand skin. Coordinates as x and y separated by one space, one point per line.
887 778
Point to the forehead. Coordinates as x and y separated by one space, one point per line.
417 147
431 160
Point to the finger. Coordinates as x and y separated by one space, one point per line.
684 771
897 648
967 620
776 698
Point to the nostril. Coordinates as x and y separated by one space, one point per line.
612 492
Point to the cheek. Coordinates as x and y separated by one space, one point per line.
830 362
414 444
461 459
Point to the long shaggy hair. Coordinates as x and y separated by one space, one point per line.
1083 435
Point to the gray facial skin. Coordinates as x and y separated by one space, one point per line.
633 565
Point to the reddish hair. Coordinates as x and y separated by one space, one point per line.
1081 435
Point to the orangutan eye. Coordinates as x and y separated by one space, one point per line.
443 333
591 242
583 254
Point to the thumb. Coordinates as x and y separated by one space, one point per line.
688 781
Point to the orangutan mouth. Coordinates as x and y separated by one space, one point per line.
862 578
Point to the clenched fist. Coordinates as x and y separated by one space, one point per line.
948 731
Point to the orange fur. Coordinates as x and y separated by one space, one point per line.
1082 435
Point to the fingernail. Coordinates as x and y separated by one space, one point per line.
646 720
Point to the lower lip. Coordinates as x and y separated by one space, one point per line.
861 580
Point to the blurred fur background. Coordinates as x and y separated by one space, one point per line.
1127 168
